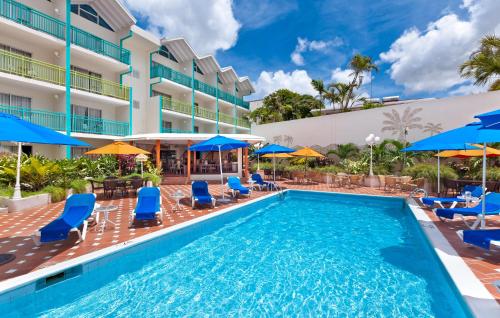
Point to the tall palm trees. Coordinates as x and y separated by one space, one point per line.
344 94
484 64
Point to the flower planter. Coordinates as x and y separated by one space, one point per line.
28 203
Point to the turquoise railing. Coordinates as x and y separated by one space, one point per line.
52 120
205 88
31 18
158 70
40 21
175 131
98 45
99 126
57 121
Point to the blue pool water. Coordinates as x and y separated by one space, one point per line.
308 255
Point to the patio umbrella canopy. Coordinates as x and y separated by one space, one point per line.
14 129
463 154
274 149
307 153
118 148
219 143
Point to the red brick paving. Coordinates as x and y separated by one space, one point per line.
16 230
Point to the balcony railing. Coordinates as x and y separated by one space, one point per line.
30 68
39 21
158 70
57 121
175 131
200 112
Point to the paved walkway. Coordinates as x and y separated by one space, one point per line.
16 230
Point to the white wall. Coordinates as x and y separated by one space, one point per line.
355 126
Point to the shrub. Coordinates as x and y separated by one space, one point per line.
329 169
429 172
56 193
154 178
79 186
491 174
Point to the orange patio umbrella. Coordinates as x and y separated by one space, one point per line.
307 153
118 148
463 154
277 155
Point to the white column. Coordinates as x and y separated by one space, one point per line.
240 162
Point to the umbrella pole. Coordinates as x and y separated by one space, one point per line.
258 162
483 201
439 176
221 175
17 187
274 169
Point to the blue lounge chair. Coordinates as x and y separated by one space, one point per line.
257 178
148 206
200 194
492 208
476 192
234 185
77 209
482 238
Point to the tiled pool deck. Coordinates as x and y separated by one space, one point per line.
16 230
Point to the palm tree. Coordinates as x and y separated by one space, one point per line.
399 125
360 65
484 64
433 128
345 151
319 86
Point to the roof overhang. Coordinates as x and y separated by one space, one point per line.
113 11
182 139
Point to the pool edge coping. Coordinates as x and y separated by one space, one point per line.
480 301
14 283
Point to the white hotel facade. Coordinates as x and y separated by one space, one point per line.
123 84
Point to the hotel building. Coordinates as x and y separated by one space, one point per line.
106 79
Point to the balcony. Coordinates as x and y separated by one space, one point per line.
39 21
30 68
200 112
79 124
158 70
175 131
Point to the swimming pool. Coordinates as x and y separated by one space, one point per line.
310 254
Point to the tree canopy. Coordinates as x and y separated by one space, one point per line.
484 64
285 105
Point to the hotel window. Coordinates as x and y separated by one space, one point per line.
196 129
87 12
166 53
25 67
14 100
91 82
86 119
219 80
197 69
166 125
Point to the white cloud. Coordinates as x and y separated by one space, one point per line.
428 61
344 76
255 14
207 25
297 81
305 45
468 89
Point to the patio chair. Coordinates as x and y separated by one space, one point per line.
136 183
77 209
110 186
234 185
391 184
260 182
148 206
200 194
483 238
268 174
492 208
476 191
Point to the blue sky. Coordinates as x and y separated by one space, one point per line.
418 44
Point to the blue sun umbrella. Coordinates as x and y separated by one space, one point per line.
274 149
486 131
219 143
14 129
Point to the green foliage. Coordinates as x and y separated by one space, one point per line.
285 105
370 105
484 64
492 173
79 186
429 172
154 178
345 151
57 193
355 166
329 169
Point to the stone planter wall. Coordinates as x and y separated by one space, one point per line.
28 203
